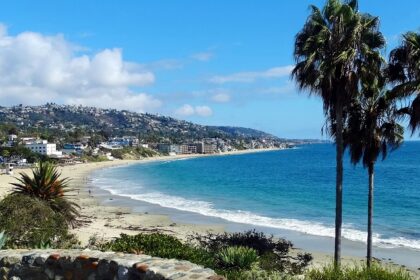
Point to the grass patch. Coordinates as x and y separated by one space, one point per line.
358 272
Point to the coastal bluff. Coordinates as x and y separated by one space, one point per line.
92 265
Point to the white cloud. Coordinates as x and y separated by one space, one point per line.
221 97
203 111
185 110
35 68
188 110
249 77
202 56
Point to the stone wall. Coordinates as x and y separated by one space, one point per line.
92 265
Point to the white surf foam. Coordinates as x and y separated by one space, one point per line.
245 217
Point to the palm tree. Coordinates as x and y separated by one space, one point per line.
404 71
330 52
46 184
371 131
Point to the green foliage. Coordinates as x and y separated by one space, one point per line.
44 245
133 153
274 253
95 158
23 152
160 245
46 184
257 274
237 257
3 239
356 272
30 221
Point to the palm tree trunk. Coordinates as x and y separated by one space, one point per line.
370 215
339 184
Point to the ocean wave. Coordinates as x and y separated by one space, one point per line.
245 217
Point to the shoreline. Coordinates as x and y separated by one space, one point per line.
105 215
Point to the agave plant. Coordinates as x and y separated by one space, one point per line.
237 257
46 184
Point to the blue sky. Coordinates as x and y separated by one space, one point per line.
211 62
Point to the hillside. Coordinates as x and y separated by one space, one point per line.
111 122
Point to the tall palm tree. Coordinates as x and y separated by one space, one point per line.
46 184
330 52
371 131
404 71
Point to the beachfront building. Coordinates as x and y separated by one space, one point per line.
44 148
188 148
69 149
168 148
206 148
125 141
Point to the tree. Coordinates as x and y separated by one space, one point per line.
331 51
404 72
46 184
372 130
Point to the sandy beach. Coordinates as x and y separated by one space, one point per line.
105 222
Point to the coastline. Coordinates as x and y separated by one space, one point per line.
104 217
105 221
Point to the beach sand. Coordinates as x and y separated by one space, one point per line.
104 222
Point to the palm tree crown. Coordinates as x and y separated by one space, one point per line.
331 49
404 70
373 128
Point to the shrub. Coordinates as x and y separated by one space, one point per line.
29 221
237 257
274 253
159 245
257 274
356 272
47 184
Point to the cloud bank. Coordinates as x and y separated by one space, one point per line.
35 68
187 110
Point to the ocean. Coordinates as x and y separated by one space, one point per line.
291 189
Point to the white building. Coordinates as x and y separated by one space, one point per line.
44 148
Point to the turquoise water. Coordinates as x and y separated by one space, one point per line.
289 189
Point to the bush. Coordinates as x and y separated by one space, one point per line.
133 153
274 253
29 222
159 245
257 274
237 257
376 272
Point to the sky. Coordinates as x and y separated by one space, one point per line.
212 62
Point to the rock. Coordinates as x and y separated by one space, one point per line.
92 265
3 273
9 261
39 261
183 267
103 268
141 267
122 273
50 273
54 256
29 259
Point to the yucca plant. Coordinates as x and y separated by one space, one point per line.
3 239
46 184
237 257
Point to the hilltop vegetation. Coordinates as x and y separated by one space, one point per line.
52 119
